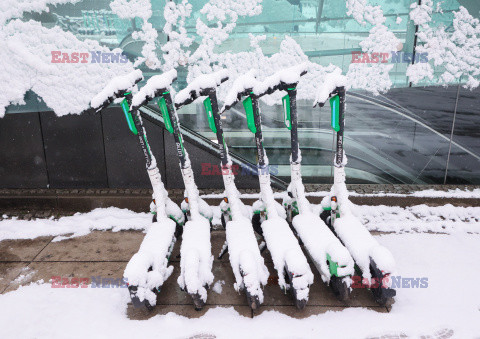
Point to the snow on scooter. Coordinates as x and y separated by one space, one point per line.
245 258
375 262
332 260
195 251
294 273
148 269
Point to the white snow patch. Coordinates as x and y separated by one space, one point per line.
245 257
196 258
217 287
130 9
25 276
372 77
240 84
153 253
175 16
289 75
362 245
453 50
201 82
15 8
66 88
285 250
320 241
420 218
154 84
42 312
115 85
430 193
332 81
80 224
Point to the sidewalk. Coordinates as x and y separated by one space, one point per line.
427 232
106 254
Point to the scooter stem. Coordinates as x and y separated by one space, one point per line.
340 91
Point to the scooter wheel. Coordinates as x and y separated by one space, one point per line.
339 288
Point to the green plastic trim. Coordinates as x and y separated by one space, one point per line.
175 219
295 207
146 143
335 106
128 116
211 120
248 105
286 112
180 138
332 266
162 104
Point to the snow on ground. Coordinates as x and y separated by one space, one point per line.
218 286
419 218
456 193
430 193
80 224
451 301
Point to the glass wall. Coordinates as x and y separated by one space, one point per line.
402 136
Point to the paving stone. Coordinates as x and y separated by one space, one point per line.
9 272
322 295
46 270
22 249
222 272
171 294
96 246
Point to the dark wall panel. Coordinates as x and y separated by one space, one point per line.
208 178
22 161
124 156
74 150
197 157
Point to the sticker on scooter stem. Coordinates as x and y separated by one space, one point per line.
211 120
166 116
128 116
335 106
248 105
286 111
